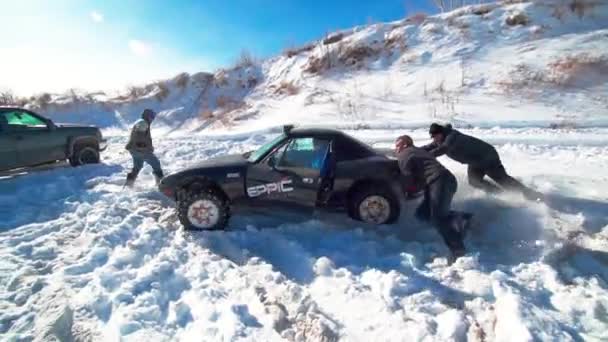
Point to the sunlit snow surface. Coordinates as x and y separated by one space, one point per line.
82 259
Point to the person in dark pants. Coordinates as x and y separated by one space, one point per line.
420 169
482 159
141 149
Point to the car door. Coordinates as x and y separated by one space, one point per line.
291 175
8 148
31 134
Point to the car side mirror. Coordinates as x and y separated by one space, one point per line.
272 161
50 125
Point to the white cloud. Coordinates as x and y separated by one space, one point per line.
96 17
139 48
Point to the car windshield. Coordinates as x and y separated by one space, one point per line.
255 156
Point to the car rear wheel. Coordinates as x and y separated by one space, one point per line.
85 154
375 205
203 211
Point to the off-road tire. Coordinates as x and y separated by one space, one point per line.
190 198
360 194
84 154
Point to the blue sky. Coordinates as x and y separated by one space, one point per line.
109 44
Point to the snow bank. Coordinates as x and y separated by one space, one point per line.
544 62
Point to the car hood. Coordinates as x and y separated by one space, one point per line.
229 162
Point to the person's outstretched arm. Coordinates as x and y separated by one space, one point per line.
445 146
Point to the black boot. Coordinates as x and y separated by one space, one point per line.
130 179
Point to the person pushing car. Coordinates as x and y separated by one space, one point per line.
141 149
420 169
481 158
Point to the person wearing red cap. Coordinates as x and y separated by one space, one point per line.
141 149
421 169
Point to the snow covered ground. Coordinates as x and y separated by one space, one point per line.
80 259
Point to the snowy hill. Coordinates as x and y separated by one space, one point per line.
545 62
83 260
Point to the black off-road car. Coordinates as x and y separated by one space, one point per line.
303 167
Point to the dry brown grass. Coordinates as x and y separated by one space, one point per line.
316 65
135 92
334 38
355 54
286 88
181 80
162 91
395 41
291 52
205 114
483 9
416 18
567 70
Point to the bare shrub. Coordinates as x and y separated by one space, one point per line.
416 18
181 80
162 91
245 59
43 100
334 38
287 88
7 98
516 19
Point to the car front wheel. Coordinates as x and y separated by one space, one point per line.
203 211
374 205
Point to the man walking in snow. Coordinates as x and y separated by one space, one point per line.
482 159
141 148
420 169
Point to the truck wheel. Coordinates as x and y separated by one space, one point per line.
375 205
84 154
203 211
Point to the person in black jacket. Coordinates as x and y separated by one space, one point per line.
482 159
421 169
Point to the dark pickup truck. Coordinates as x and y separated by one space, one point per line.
308 168
28 139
